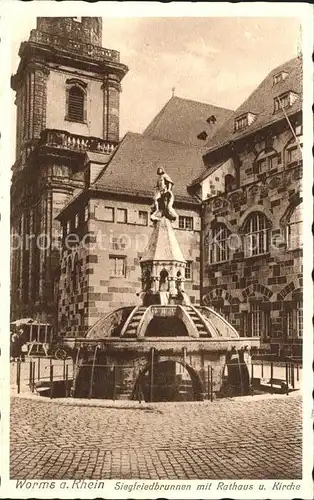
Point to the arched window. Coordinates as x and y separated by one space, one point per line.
218 244
294 228
266 161
76 98
256 231
163 281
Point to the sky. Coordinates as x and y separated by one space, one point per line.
210 59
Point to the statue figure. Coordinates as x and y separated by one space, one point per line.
163 199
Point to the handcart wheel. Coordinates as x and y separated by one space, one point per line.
60 353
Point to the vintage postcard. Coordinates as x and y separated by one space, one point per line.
156 256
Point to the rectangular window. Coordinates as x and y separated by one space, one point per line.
68 227
294 228
270 162
265 164
260 166
122 215
142 217
219 244
185 222
86 213
117 266
77 221
294 235
189 270
292 155
108 214
284 100
241 122
299 319
277 78
295 321
256 237
258 322
117 243
76 100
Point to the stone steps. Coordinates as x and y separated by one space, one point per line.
198 323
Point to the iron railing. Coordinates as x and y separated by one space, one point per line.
45 374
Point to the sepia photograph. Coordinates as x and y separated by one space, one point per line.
157 240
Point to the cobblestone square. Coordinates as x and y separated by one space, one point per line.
244 438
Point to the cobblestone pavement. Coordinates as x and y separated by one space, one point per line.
229 439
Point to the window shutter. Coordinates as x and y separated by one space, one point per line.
76 100
197 223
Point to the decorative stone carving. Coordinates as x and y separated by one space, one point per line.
65 140
253 191
274 182
218 203
297 174
64 43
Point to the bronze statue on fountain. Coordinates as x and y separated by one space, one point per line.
163 199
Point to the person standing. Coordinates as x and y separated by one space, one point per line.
22 345
15 346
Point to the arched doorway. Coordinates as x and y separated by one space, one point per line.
170 380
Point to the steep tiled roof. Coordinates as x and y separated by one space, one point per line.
261 103
132 168
182 120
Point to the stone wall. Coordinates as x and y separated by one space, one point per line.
273 279
46 176
57 105
125 366
83 29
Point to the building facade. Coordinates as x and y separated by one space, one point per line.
67 100
100 268
252 214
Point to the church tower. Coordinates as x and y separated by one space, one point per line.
67 103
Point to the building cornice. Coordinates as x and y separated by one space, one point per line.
45 48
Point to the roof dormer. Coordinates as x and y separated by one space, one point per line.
244 121
202 135
211 119
279 77
284 100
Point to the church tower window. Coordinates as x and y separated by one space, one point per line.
76 100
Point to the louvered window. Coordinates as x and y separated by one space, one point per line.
76 104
